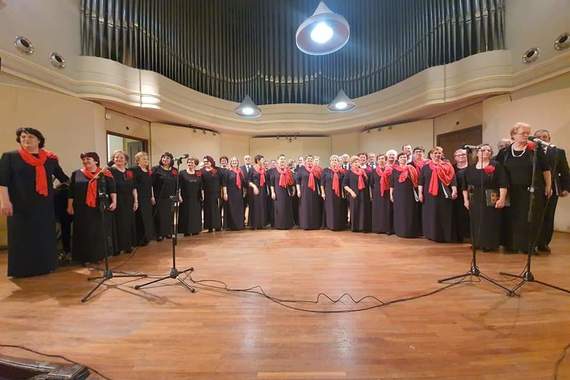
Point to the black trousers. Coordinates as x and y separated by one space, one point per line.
547 229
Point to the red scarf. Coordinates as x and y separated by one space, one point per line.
420 164
237 171
285 177
38 163
91 198
336 180
384 178
361 173
440 172
261 172
315 171
408 171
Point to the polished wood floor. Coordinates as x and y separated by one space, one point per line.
470 331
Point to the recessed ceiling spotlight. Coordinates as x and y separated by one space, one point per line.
24 45
562 41
323 33
531 55
57 60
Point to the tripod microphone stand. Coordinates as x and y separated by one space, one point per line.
474 268
108 273
527 275
175 211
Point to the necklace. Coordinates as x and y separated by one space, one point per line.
513 151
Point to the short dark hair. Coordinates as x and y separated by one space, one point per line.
194 159
92 155
224 158
258 158
210 160
169 155
400 155
419 148
31 131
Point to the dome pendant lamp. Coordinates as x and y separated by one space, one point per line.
323 33
248 109
341 103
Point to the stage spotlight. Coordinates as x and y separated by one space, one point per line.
24 45
531 55
323 33
562 41
341 103
247 108
57 60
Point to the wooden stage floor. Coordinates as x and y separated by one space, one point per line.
470 331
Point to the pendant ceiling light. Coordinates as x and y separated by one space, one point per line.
248 109
341 103
323 33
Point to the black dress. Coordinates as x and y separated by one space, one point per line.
407 213
258 206
212 183
519 173
92 232
283 203
382 208
234 210
460 213
191 207
360 211
437 211
269 209
164 186
310 212
223 204
144 223
486 220
124 215
334 205
31 228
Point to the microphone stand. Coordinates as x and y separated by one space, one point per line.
474 268
175 211
108 243
527 275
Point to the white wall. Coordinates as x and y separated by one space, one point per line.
393 137
271 147
345 143
180 140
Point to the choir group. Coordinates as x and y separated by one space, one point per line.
407 193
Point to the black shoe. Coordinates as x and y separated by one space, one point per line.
187 234
159 238
210 230
543 248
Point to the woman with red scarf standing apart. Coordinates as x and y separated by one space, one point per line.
332 193
92 232
164 186
355 183
233 189
382 211
26 198
282 193
517 159
404 182
308 179
487 182
437 189
257 180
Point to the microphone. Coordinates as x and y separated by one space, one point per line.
470 147
184 156
541 142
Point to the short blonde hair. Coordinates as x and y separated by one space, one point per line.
518 125
354 158
333 157
139 155
118 151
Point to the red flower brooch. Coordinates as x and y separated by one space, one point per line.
530 145
129 174
489 169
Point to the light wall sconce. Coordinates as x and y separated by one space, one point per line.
24 45
562 41
531 55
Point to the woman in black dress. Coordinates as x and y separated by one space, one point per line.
258 182
27 199
486 178
382 210
164 188
437 190
92 215
282 193
223 169
192 194
212 183
127 203
333 196
460 213
355 183
144 223
234 188
403 193
517 159
307 178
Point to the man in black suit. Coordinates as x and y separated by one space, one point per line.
558 164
